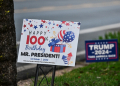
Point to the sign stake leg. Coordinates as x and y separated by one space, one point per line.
36 75
53 76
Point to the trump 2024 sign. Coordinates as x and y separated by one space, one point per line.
101 50
49 42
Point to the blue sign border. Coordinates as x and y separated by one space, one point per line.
87 42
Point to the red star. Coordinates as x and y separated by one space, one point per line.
67 24
57 25
28 23
21 33
72 21
43 21
24 26
31 25
63 22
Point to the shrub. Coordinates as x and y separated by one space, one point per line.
110 35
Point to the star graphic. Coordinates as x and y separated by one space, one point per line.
41 26
31 25
63 22
35 26
44 21
79 23
30 21
24 26
67 24
49 23
26 19
60 26
57 25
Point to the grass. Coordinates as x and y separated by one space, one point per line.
95 74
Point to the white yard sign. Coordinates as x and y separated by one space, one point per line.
49 42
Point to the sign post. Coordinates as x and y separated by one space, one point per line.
53 76
37 74
48 42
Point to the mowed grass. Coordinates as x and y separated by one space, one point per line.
95 74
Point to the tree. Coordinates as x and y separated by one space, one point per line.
8 51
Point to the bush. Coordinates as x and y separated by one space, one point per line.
110 35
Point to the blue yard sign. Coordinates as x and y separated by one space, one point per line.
101 50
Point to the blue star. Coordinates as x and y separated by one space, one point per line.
35 26
41 26
26 19
60 26
79 23
49 23
30 21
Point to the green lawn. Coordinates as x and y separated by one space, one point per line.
95 74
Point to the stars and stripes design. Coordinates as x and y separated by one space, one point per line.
29 24
68 37
61 34
102 58
69 56
66 31
43 23
57 45
66 59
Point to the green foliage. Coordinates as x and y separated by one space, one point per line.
95 74
110 35
100 38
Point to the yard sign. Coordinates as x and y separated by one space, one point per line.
49 42
101 50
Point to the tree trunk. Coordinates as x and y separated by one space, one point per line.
8 51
